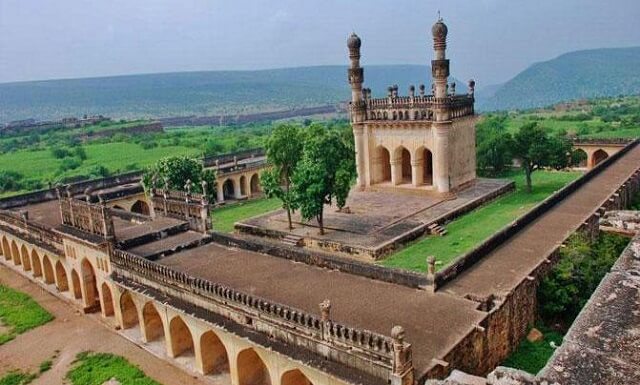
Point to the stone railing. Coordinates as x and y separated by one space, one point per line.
37 232
190 207
212 161
605 142
376 354
411 108
87 217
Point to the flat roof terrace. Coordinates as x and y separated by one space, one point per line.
434 322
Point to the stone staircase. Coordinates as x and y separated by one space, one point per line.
292 240
437 229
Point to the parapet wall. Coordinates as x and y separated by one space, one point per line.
362 350
470 258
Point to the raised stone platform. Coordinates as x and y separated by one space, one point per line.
376 222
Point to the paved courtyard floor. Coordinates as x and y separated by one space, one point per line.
378 217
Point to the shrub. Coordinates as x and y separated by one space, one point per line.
60 152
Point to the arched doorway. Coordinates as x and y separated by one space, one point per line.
579 158
181 339
90 284
384 163
294 377
107 300
406 166
26 260
15 253
153 328
214 354
6 249
61 277
35 263
140 207
255 184
427 159
251 369
2 249
129 311
77 286
599 156
228 189
48 270
243 185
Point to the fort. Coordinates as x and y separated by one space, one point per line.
249 309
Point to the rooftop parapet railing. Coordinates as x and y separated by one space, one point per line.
385 356
34 230
601 141
87 217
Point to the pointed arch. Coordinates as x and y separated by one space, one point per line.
107 300
153 326
26 259
140 207
295 377
403 158
62 282
580 157
214 355
424 160
15 253
228 189
383 162
255 183
90 284
35 263
77 286
129 311
6 248
180 337
599 156
251 369
47 268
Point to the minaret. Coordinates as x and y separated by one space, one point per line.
356 74
440 63
357 108
442 123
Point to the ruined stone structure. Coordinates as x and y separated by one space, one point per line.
417 141
597 150
238 174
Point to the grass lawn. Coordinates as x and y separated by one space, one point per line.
19 313
471 229
17 378
533 356
98 368
224 218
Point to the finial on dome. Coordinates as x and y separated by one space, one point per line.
354 42
439 29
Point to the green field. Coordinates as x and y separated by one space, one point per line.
19 313
224 217
533 356
468 231
98 368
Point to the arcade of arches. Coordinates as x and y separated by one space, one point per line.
402 167
212 351
240 186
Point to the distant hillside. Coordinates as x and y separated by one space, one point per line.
196 93
576 75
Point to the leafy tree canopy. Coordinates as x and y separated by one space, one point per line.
175 171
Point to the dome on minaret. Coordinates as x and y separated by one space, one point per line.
353 42
439 30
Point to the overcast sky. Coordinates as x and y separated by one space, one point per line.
489 40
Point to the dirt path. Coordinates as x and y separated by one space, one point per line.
72 332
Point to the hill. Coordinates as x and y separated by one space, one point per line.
576 75
196 93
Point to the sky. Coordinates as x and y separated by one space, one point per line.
489 40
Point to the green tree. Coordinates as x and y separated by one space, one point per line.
175 171
284 151
325 173
493 146
537 150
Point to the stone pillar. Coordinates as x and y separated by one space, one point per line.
417 173
237 189
220 192
360 159
441 177
396 171
402 372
